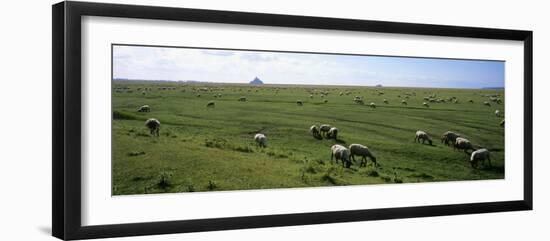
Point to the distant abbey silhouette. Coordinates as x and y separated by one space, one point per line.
256 81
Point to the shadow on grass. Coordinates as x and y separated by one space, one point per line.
493 169
340 141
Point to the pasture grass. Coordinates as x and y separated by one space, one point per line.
212 149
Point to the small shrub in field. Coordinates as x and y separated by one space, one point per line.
396 178
135 153
329 176
211 185
372 173
386 178
164 179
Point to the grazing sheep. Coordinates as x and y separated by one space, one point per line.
324 129
463 144
386 101
363 152
449 138
332 133
299 102
144 108
325 101
153 125
487 103
502 123
261 140
314 130
198 95
372 105
480 155
403 102
425 104
471 101
211 104
422 135
340 153
311 96
497 113
242 98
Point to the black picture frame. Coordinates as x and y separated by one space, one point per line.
66 127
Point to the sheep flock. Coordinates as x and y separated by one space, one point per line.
324 129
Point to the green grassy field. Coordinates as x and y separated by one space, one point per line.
212 149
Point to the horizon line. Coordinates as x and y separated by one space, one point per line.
248 83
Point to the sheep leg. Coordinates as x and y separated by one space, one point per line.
489 159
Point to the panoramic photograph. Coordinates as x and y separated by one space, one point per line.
201 119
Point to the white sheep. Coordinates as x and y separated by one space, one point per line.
363 152
144 108
403 102
261 140
242 98
314 130
339 152
487 103
480 155
463 144
211 104
502 123
497 113
422 135
425 104
153 125
372 105
332 133
386 101
449 138
324 129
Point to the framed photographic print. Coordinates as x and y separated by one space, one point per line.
169 120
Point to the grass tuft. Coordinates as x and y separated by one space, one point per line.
164 179
211 185
135 153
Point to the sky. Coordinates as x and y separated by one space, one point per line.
240 66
